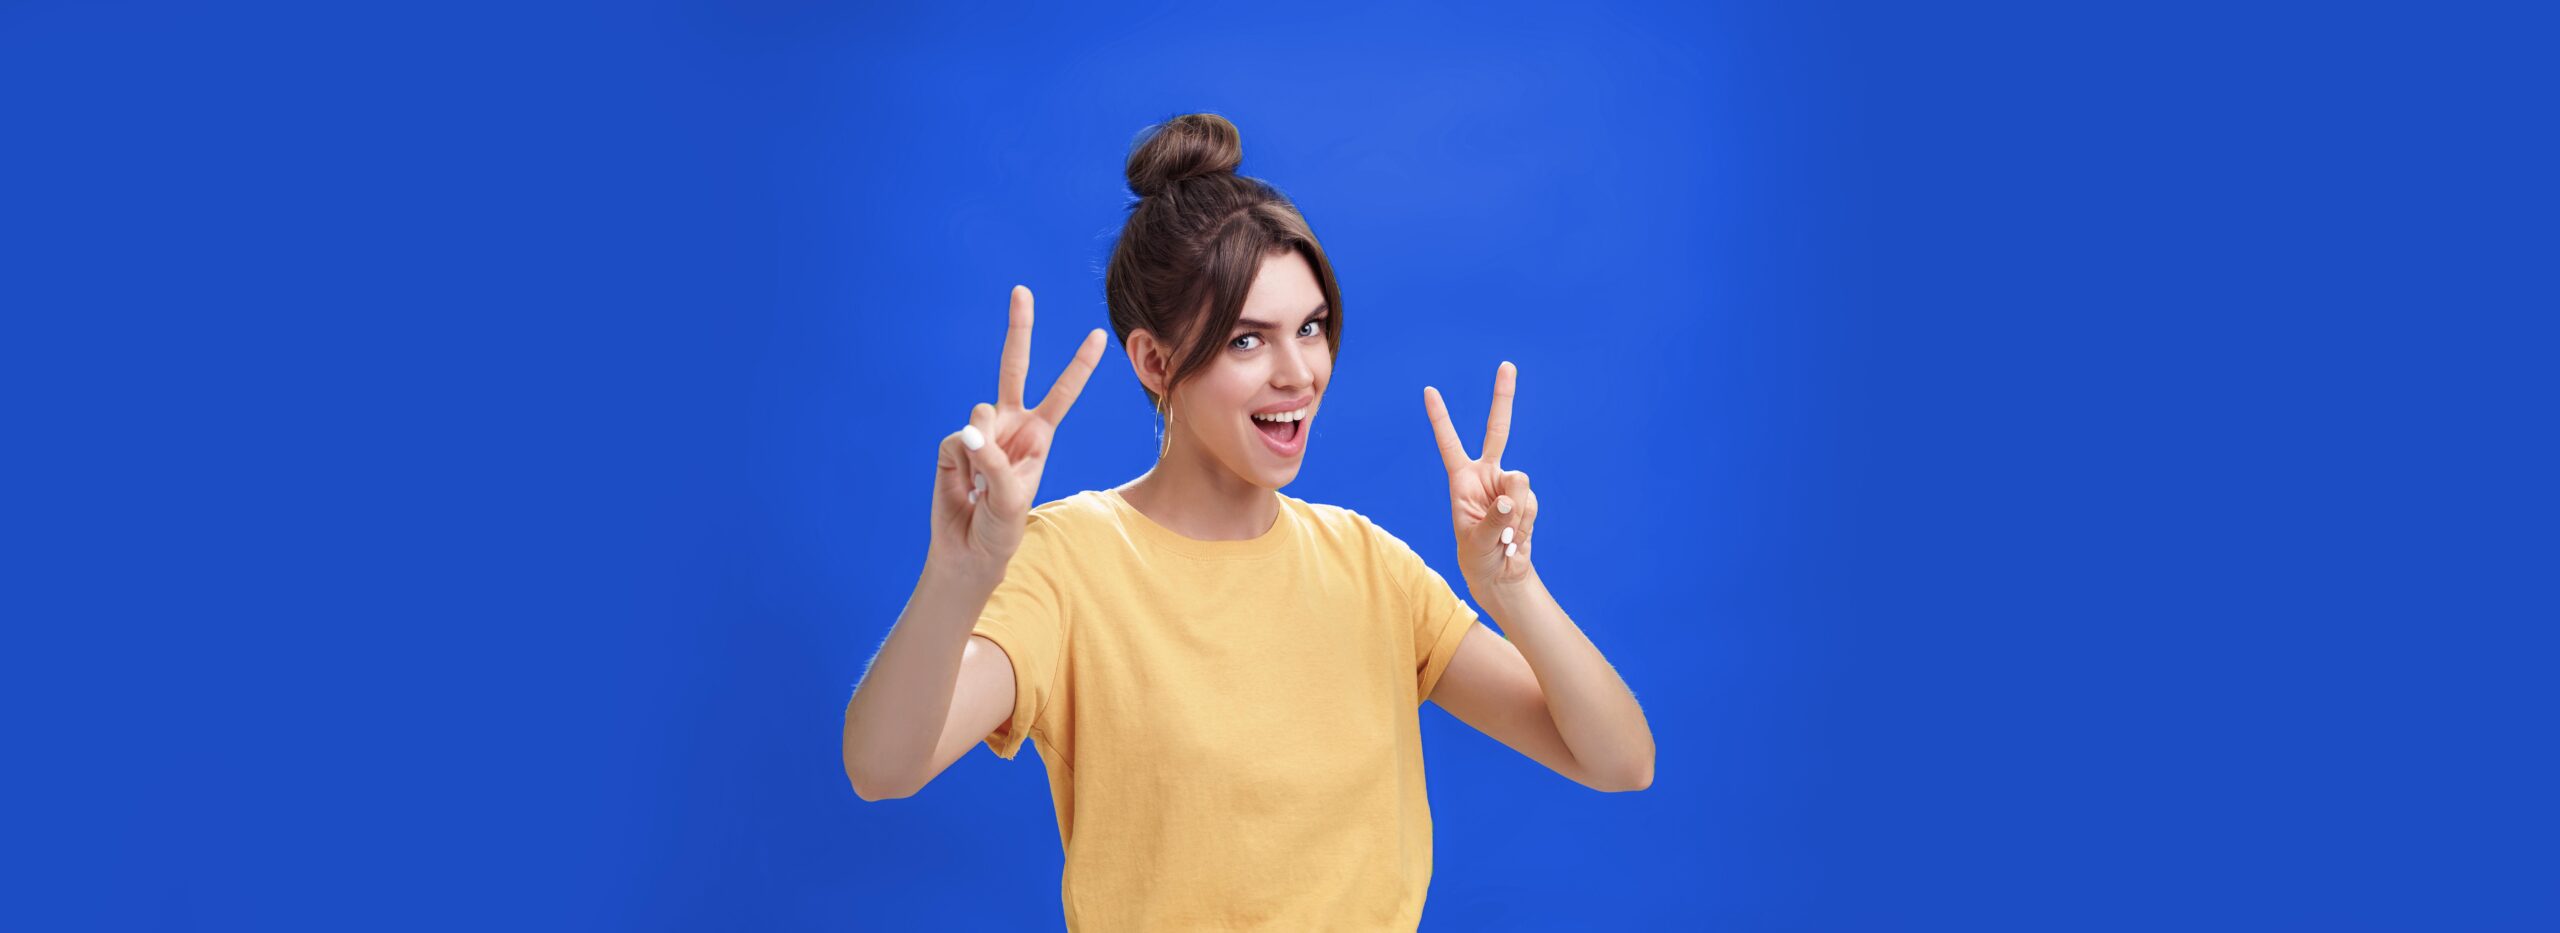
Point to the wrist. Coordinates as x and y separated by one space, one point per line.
1500 597
965 575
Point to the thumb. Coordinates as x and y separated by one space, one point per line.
951 471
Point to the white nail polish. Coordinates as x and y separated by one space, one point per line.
1502 505
1506 536
978 484
970 438
1510 550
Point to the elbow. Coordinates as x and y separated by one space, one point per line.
1613 782
870 780
874 790
869 795
873 787
1631 782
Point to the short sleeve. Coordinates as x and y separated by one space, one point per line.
1025 616
1439 618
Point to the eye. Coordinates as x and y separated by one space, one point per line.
1239 342
1311 328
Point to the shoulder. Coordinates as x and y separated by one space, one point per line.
1327 520
1068 520
1359 540
1073 511
1333 524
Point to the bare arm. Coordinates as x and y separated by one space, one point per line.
1588 706
929 693
1554 679
932 684
1491 686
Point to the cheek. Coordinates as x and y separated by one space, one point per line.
1221 393
1233 386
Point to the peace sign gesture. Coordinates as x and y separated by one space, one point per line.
1492 511
988 473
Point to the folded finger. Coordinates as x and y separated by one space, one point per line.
1524 501
992 468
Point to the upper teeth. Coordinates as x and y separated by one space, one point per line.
1281 416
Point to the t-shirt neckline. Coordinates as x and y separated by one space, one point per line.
1146 529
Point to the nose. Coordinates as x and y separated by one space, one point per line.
1292 369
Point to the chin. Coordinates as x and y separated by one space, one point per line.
1262 473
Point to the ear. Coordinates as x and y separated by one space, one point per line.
1149 359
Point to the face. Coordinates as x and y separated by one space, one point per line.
1274 363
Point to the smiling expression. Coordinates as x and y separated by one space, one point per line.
1252 407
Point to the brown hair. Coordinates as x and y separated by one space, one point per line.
1194 240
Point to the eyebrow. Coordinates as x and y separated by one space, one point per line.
1267 325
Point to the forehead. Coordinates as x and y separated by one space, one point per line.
1284 289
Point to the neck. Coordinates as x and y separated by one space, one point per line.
1194 496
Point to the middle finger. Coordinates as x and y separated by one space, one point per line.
1497 422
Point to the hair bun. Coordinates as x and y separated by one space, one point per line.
1187 146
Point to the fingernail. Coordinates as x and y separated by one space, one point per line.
970 438
1506 536
978 482
1510 549
1502 505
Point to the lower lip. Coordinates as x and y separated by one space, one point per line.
1289 448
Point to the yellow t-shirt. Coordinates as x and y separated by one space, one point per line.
1230 727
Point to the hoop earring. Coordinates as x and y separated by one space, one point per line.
1164 427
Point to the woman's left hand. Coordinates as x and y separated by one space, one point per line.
1492 510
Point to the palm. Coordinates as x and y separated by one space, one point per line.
1492 510
981 520
989 523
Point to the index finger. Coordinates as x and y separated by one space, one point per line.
1452 454
1016 365
1062 394
1497 425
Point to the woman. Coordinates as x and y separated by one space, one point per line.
1223 679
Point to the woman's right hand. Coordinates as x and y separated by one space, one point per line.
987 474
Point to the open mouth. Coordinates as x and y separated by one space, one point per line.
1285 432
1280 433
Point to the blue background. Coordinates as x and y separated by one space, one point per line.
2039 468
